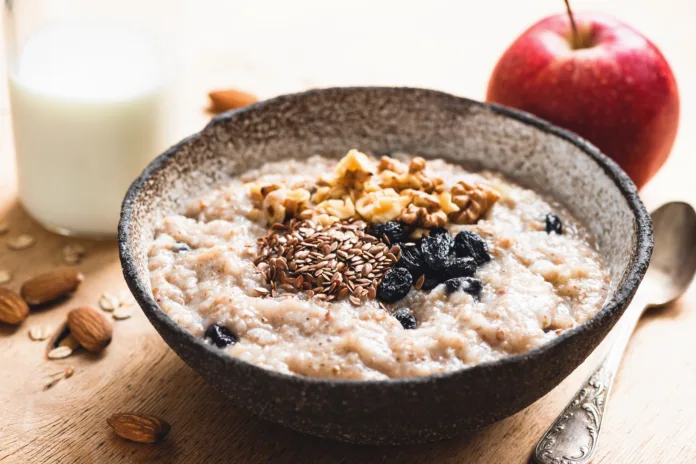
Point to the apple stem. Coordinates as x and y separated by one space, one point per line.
573 26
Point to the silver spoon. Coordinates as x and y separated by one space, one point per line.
572 438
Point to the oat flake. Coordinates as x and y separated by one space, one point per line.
60 352
73 253
21 242
108 302
39 333
124 312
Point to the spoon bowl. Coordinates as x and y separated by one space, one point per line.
673 262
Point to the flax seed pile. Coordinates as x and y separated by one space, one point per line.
326 262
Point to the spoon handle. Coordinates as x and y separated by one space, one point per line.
572 438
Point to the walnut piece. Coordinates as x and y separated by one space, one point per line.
391 164
473 201
417 164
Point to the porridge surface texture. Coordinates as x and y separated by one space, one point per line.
536 285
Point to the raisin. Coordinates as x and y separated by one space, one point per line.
411 259
460 267
220 336
436 251
464 284
392 230
431 281
406 318
553 224
395 285
180 246
471 245
438 231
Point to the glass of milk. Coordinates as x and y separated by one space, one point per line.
86 96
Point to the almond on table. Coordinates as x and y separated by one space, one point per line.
51 286
141 428
229 99
91 329
13 309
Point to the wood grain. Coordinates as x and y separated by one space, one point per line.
277 47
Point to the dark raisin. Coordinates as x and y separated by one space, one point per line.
464 284
411 259
180 246
438 231
553 224
395 285
407 320
460 267
471 245
431 281
220 336
436 251
393 230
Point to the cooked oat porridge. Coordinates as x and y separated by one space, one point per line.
374 268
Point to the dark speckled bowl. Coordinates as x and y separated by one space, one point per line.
432 124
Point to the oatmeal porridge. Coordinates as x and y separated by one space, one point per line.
374 268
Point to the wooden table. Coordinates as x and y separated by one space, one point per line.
276 47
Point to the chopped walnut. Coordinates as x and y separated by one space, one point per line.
473 200
279 203
422 199
341 209
353 170
413 215
273 205
436 219
446 203
381 206
391 164
419 216
417 164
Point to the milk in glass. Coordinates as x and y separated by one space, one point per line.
86 112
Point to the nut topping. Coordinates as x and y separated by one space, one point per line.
361 188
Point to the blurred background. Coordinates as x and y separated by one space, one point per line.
269 47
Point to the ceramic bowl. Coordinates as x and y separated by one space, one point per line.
532 152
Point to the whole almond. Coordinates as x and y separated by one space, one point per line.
13 309
229 99
90 328
142 428
51 286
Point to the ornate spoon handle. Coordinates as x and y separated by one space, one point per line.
572 438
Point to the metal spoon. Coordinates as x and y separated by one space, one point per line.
572 438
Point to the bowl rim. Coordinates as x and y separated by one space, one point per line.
641 250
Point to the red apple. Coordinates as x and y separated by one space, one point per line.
604 81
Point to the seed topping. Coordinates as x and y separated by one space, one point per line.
329 262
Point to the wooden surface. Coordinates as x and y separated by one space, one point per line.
275 47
